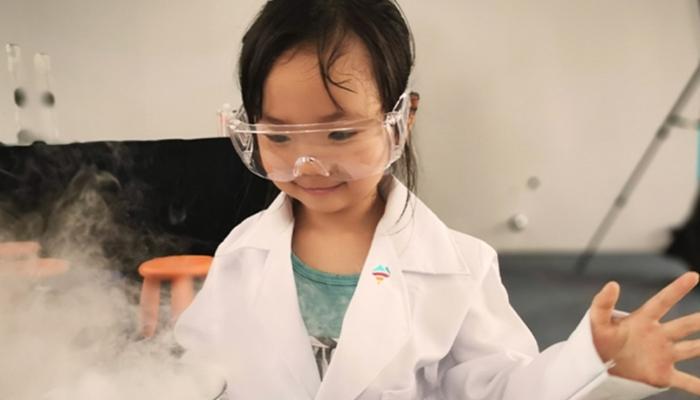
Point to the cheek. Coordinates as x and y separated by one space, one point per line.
271 157
373 154
364 187
287 187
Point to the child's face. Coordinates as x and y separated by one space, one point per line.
294 93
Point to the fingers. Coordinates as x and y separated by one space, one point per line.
664 300
604 303
686 350
687 382
682 327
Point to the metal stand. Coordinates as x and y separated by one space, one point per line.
672 120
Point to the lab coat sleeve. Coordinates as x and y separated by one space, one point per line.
495 356
197 327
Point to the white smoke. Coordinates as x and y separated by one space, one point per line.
76 335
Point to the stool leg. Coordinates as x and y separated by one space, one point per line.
181 295
149 304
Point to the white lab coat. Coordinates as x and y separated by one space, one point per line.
440 327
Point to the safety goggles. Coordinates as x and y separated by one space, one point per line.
345 150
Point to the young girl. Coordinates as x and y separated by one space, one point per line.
348 286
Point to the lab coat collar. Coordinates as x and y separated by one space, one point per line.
422 241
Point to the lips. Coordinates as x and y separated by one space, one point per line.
320 188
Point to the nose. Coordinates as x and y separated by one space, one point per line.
308 165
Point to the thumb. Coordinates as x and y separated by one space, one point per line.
604 303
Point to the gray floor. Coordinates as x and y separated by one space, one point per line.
551 298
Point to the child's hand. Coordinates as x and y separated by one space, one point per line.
643 348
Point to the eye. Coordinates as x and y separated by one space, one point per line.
277 138
341 135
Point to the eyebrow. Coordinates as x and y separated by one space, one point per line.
326 118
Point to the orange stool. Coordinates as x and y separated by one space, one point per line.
15 251
44 267
23 258
180 271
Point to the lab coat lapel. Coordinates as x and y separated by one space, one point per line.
375 327
278 307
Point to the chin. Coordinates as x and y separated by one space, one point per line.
327 204
325 208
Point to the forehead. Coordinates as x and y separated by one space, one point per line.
294 91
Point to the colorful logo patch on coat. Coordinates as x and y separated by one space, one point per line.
380 273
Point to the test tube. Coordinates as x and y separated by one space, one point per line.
19 93
47 99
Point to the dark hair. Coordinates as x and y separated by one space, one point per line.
326 24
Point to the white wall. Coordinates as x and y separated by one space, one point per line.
568 91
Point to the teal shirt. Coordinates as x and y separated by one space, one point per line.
323 300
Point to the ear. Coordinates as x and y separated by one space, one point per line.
415 100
